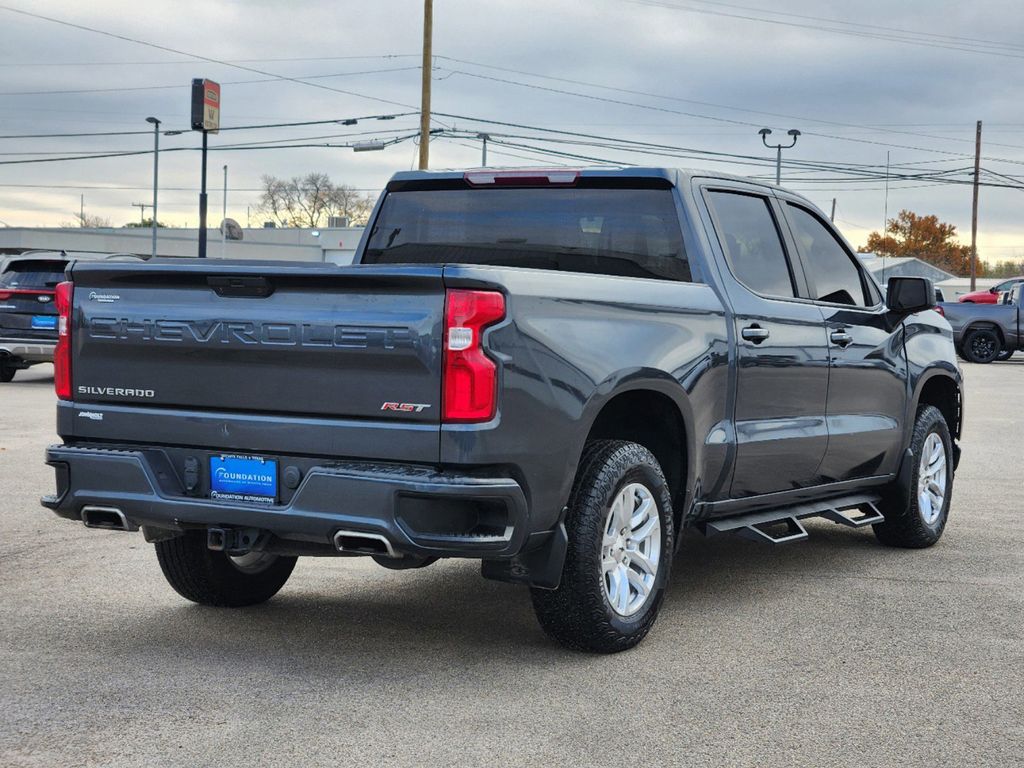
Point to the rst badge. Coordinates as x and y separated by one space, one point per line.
405 407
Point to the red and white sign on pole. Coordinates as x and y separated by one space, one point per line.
205 105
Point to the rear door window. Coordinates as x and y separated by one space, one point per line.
32 275
832 270
750 239
624 232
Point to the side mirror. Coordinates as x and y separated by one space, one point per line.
907 295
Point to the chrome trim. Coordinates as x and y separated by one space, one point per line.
363 535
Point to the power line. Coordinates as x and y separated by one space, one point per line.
126 89
199 57
633 92
302 123
900 37
23 64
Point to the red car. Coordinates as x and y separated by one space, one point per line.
990 296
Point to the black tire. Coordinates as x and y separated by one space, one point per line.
210 577
981 345
6 373
906 523
579 613
1005 355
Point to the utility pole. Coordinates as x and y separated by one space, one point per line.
483 161
428 31
156 172
832 218
974 208
885 212
142 211
224 218
81 210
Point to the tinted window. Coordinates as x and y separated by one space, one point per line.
628 232
751 242
833 273
32 274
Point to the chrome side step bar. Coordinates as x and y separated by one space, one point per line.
855 511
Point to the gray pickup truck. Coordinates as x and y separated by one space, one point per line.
554 372
987 332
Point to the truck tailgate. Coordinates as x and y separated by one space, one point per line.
260 338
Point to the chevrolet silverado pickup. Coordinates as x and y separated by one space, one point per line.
554 372
987 332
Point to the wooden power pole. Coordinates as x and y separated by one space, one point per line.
974 209
428 31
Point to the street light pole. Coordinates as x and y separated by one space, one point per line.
202 203
156 172
224 218
764 133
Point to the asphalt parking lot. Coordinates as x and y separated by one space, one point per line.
835 651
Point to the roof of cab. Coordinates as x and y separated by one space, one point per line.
674 176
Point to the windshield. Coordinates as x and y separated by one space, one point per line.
32 275
627 232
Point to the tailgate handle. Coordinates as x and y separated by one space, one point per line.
240 287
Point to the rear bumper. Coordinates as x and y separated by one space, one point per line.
28 350
403 503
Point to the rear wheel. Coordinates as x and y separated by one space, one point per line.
209 577
6 373
981 345
620 551
918 520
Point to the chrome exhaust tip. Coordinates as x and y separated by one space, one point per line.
360 543
110 518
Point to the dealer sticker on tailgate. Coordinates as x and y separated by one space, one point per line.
251 479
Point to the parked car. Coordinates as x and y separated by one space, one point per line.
28 315
984 333
553 372
991 295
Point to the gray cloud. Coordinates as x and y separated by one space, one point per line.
756 68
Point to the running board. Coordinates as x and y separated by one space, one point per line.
783 526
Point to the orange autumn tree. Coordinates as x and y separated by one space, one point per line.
925 238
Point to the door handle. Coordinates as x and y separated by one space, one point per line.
755 333
842 338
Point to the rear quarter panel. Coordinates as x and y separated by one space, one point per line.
569 344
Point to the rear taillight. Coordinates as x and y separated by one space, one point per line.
62 354
470 377
4 295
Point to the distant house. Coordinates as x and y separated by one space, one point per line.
902 266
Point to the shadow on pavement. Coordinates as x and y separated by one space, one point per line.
449 612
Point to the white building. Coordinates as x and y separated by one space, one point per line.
336 245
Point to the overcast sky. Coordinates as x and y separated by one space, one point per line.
910 78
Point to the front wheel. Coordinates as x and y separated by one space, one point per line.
918 519
209 577
6 373
620 551
1006 354
981 346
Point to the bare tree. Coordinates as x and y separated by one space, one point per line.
309 200
87 221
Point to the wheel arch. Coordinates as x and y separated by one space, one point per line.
978 325
943 390
652 409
